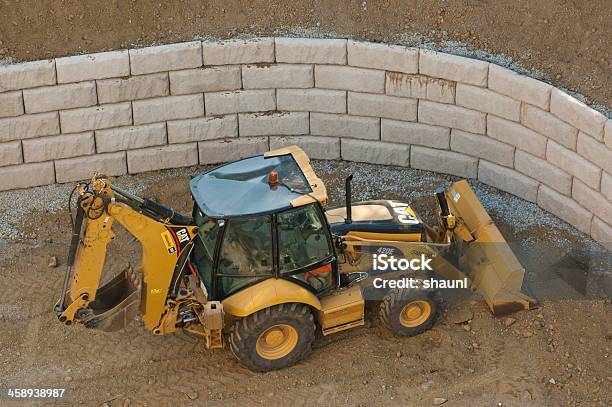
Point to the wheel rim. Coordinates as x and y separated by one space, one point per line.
415 313
277 341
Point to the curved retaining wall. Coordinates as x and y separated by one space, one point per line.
178 105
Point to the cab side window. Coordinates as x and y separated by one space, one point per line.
303 242
246 252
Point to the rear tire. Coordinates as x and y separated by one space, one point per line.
273 338
408 312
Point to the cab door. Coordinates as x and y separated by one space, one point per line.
305 251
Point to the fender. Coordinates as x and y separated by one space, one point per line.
270 292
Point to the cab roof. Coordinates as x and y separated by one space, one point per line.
241 188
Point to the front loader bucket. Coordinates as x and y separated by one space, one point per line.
493 268
116 304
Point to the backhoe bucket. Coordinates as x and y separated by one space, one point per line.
488 261
116 304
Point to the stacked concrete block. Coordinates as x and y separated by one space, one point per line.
448 162
82 168
414 133
220 151
11 104
375 152
273 124
311 100
133 88
281 76
208 102
208 79
239 101
130 138
319 148
251 51
342 125
166 58
93 66
162 157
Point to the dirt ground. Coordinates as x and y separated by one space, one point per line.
569 41
555 355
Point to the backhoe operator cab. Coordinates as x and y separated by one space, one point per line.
260 218
261 263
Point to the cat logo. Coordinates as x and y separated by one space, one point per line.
156 291
182 235
168 242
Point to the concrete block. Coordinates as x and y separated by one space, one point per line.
162 157
56 147
202 128
29 126
219 151
168 108
606 185
375 152
543 171
130 138
414 133
311 100
595 152
133 88
102 65
27 75
238 51
166 58
574 164
268 76
59 97
608 133
10 153
273 124
602 232
420 87
520 87
565 208
96 117
83 168
318 148
26 176
310 51
239 101
452 116
452 67
576 113
516 135
11 104
349 78
342 125
390 107
485 100
595 202
508 180
448 162
481 146
210 79
548 125
395 58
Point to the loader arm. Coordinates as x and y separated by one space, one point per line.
464 245
111 306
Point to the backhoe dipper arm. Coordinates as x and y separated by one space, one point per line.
100 306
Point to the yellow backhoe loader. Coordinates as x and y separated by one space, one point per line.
262 266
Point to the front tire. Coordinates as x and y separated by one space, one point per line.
408 312
273 338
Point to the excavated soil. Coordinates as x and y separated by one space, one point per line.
558 354
568 41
